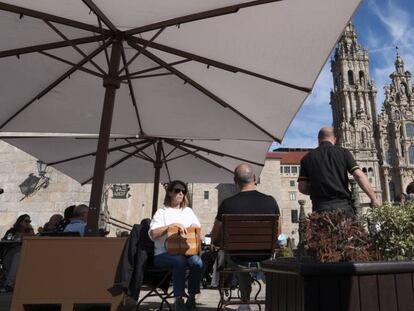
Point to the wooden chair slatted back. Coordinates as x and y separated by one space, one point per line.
249 232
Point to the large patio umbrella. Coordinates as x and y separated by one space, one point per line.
134 160
220 69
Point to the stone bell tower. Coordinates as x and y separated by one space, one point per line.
353 107
396 132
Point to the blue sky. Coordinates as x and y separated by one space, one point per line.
380 25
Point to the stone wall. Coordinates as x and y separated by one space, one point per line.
62 191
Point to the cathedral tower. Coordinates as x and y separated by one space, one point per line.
353 107
396 132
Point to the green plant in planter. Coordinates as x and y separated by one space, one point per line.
391 229
335 237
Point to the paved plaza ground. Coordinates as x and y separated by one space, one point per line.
207 301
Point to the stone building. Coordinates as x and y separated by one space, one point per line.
278 178
383 145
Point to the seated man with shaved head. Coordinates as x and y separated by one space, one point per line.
247 201
324 176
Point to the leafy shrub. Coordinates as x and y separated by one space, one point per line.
334 237
391 229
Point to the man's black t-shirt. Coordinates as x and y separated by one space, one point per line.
327 168
248 202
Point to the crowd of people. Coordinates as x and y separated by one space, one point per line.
74 220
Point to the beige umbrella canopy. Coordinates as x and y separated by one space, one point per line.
192 69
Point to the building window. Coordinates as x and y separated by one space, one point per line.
281 169
409 128
294 215
206 195
351 78
294 169
388 156
411 154
292 183
292 195
361 78
391 187
286 170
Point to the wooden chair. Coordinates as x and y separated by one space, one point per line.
246 236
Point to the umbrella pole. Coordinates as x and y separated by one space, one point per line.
111 84
157 166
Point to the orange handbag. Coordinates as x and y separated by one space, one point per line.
179 244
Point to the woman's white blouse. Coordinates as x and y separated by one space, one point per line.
166 216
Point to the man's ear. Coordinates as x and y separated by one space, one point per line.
254 178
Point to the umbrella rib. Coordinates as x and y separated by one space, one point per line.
106 50
95 9
203 90
49 46
133 74
199 156
72 64
147 157
94 153
50 17
131 89
221 154
55 29
139 52
217 64
165 162
197 16
137 156
120 161
151 76
56 82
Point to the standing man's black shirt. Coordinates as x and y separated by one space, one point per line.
248 202
327 168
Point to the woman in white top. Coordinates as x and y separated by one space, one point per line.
176 213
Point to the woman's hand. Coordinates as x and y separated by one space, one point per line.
181 228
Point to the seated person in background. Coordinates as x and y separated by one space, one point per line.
67 217
410 193
176 213
53 222
79 219
11 253
247 201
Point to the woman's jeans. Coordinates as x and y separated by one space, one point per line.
179 265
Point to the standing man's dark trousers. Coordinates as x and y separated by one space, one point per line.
333 205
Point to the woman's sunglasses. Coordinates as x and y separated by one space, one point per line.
177 190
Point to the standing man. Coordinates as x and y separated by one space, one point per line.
324 175
247 201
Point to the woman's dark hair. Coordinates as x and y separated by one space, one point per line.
68 213
19 220
170 187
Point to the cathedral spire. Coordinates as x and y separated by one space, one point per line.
399 63
348 44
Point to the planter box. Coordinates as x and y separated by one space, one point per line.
373 286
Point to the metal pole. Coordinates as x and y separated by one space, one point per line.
111 84
302 218
157 166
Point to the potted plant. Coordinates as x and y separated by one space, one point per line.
358 264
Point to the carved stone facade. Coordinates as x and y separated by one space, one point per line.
353 107
396 132
383 144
